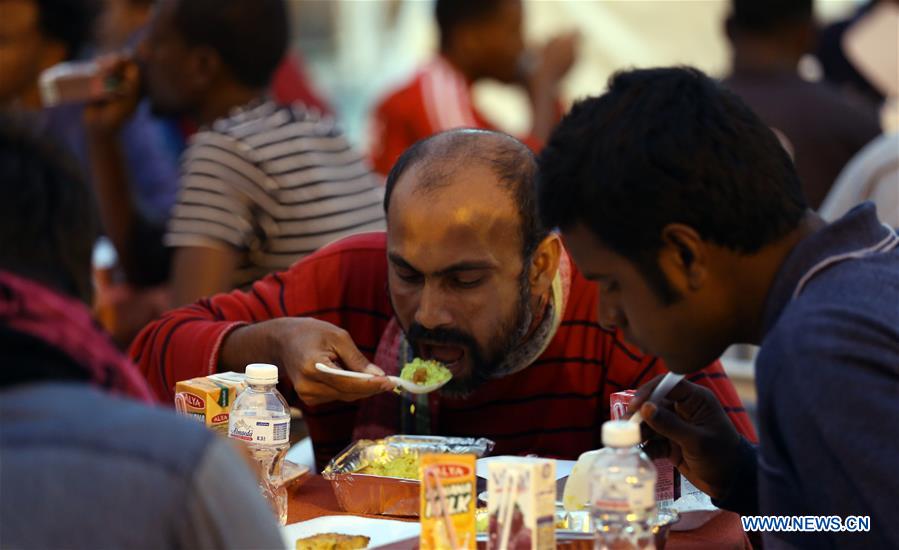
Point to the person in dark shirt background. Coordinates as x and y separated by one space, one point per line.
820 127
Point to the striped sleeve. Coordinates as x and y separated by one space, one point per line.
219 186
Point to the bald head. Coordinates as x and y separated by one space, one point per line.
437 161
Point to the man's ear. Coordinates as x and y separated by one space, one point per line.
545 263
684 257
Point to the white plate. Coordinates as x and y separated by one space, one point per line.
380 531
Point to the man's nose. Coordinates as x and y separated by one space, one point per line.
432 312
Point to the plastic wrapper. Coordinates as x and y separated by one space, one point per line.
360 493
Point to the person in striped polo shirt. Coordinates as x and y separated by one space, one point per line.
262 185
465 274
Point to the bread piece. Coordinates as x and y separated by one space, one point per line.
333 541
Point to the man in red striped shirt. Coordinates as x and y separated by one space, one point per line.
479 39
465 274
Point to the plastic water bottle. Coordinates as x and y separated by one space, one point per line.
622 490
260 418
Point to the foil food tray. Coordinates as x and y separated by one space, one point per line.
360 493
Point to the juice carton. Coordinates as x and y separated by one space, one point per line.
668 480
208 399
618 403
521 504
448 501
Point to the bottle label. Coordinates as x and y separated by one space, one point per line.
634 497
262 431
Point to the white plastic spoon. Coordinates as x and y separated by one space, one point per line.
407 385
659 392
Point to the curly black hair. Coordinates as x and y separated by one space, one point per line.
666 146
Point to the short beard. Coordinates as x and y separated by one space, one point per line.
485 364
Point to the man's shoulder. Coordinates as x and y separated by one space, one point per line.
865 287
269 123
403 95
362 254
68 418
847 314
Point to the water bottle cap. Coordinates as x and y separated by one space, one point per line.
261 373
620 433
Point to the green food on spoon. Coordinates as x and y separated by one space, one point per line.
425 373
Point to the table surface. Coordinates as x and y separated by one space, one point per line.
312 497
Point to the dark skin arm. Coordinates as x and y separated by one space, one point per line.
691 429
104 120
199 271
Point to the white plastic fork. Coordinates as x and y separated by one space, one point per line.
407 385
669 381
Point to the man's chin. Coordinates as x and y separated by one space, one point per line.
459 388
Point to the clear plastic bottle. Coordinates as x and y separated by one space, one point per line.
260 417
622 490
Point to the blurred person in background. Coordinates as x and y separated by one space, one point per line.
152 145
479 39
820 128
84 461
36 35
121 20
155 144
262 185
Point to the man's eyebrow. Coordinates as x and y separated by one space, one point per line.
465 265
597 277
400 261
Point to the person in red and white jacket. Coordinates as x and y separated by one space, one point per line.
466 275
479 39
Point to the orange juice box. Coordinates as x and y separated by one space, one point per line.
668 479
208 399
448 501
521 504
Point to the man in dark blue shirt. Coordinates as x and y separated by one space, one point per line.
683 206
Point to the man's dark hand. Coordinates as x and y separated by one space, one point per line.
690 428
105 117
